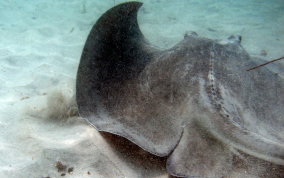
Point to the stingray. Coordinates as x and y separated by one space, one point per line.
195 102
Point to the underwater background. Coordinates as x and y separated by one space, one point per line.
40 48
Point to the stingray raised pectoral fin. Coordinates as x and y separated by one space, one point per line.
109 92
195 100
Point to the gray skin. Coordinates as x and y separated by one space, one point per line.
195 102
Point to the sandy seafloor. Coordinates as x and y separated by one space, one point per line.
40 46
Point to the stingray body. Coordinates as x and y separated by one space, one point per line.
195 102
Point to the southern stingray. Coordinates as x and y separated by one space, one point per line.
195 102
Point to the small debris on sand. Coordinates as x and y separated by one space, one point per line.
60 167
211 30
263 52
70 170
24 98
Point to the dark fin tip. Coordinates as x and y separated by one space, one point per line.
115 51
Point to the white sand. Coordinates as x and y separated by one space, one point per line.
40 48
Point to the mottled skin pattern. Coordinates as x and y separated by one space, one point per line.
195 100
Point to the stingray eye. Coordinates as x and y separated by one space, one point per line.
235 39
190 34
239 38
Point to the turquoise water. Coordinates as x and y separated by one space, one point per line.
40 48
